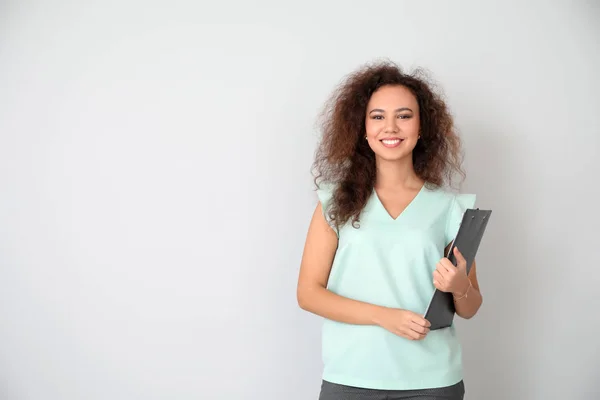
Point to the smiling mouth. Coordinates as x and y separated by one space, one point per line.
391 142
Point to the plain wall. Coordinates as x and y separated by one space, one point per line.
156 189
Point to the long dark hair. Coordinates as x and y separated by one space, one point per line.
345 158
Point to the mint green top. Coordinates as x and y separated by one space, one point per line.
390 262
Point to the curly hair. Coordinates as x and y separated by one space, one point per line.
345 160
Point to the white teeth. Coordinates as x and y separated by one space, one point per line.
392 141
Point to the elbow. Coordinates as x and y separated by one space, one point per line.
466 316
304 297
471 313
301 299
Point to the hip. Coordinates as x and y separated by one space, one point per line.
333 391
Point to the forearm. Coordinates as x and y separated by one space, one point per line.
323 302
467 303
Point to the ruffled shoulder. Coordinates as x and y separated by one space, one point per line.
325 194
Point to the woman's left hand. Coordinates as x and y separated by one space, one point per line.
448 278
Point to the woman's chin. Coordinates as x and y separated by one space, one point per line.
393 155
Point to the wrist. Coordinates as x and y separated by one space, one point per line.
378 314
464 288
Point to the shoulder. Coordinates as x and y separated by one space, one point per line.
451 199
325 191
453 205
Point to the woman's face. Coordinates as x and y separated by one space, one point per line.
392 122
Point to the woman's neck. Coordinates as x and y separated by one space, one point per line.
396 174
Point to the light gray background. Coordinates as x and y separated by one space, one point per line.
154 168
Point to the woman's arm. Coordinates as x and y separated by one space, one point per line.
468 301
464 289
312 293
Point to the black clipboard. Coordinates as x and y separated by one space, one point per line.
441 310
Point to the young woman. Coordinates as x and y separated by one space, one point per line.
374 251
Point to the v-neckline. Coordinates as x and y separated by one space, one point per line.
410 203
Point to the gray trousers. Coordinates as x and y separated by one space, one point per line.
333 391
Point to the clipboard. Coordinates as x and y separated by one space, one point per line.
441 310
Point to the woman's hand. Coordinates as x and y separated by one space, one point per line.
449 278
403 323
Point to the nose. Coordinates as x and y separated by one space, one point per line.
390 125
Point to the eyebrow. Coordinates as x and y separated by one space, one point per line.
397 110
